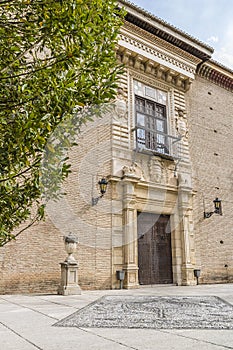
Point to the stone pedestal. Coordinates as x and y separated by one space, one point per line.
131 277
69 279
69 268
188 276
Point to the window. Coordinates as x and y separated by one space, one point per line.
151 125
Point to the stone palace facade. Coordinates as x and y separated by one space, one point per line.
164 146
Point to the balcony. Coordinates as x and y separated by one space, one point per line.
157 143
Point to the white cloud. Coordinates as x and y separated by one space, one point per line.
223 57
224 50
213 39
208 25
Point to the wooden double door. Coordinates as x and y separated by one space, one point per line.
154 249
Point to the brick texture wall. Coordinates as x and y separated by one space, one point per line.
31 263
211 143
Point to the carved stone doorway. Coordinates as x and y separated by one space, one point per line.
154 249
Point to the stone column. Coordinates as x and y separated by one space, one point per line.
130 249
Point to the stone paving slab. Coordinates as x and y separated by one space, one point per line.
27 323
152 339
153 312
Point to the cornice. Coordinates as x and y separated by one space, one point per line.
158 56
153 70
137 54
225 70
217 74
132 30
165 31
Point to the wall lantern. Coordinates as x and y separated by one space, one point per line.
103 187
217 209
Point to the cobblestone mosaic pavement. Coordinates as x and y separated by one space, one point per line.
165 312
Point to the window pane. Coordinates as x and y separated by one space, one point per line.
160 138
140 105
160 125
150 92
149 108
141 137
162 97
152 124
160 112
138 88
140 119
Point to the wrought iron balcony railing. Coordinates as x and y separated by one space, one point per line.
157 142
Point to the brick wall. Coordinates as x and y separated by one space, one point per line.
211 143
31 263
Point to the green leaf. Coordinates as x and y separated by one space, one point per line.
55 59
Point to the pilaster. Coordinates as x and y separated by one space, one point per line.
130 252
185 199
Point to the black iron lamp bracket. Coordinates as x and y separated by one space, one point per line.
217 209
103 187
208 215
95 200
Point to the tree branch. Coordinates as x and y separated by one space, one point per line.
6 2
34 220
36 70
22 55
21 173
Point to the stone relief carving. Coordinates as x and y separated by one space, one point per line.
157 171
161 173
133 170
121 106
181 124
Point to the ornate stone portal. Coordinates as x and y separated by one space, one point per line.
160 186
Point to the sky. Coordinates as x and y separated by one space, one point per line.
210 21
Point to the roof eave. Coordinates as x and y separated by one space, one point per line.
165 31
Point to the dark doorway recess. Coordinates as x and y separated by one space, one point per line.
154 249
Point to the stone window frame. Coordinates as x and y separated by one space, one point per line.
151 84
151 125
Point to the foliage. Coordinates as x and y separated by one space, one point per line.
57 57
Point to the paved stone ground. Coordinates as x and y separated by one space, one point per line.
27 322
154 312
